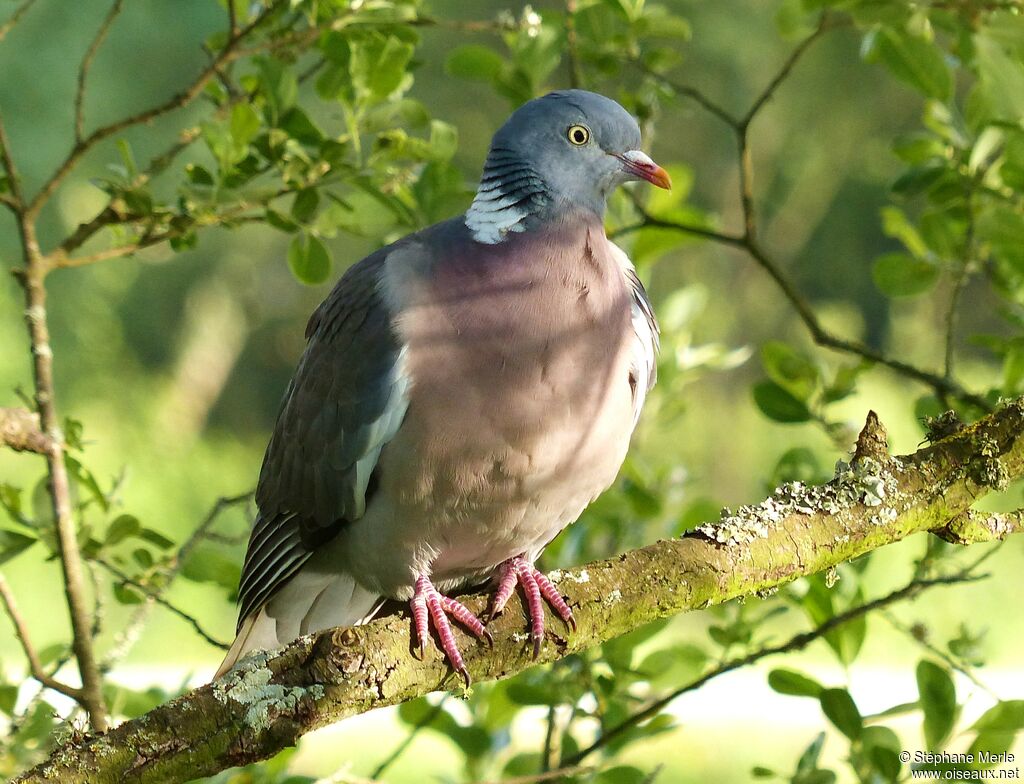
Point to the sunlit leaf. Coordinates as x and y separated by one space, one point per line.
900 275
913 60
841 710
309 259
794 683
778 404
938 701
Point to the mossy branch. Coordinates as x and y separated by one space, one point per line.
272 699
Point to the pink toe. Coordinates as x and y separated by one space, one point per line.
555 599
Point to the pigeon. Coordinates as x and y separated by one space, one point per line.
464 394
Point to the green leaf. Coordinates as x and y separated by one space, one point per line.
794 683
1000 82
991 744
127 594
444 140
309 259
621 774
474 62
809 759
13 544
1006 716
305 204
815 777
778 404
86 479
156 538
8 698
378 65
296 123
841 710
280 85
1003 227
913 60
938 701
121 528
245 123
668 667
798 464
790 369
900 275
209 564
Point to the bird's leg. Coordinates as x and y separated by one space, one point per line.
535 585
426 603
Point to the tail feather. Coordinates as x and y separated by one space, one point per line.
309 602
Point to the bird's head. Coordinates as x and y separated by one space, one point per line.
566 150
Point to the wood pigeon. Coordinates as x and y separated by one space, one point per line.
464 394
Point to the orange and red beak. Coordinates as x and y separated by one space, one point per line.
639 165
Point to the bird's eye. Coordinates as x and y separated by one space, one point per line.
578 135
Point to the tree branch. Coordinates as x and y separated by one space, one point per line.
17 200
32 279
83 71
271 699
21 632
155 595
231 51
19 429
795 643
129 634
21 10
944 385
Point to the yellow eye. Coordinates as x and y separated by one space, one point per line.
578 134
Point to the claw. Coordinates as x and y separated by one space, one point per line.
431 607
535 585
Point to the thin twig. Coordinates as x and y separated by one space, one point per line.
649 221
156 597
7 26
232 18
83 71
131 631
402 747
943 385
552 750
825 24
11 170
954 663
230 52
963 274
21 632
549 775
798 642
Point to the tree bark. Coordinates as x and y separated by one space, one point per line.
19 430
272 699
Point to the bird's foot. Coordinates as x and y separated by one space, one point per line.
426 603
535 585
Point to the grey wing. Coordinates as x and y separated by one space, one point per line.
643 370
345 402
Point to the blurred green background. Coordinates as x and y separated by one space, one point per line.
175 362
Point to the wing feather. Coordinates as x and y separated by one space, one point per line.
644 367
346 401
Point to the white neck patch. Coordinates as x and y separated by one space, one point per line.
492 215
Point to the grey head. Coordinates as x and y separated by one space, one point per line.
563 152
